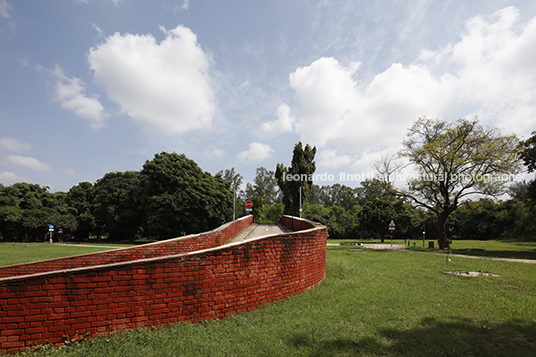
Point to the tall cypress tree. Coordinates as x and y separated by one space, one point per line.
299 174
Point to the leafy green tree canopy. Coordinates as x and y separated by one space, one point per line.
264 186
118 204
528 152
181 198
299 174
234 179
455 162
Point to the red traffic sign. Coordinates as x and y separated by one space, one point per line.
249 204
392 223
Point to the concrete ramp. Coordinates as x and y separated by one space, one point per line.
257 230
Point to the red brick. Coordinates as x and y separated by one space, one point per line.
12 345
11 332
34 318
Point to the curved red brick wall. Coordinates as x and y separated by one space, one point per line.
194 286
211 239
296 224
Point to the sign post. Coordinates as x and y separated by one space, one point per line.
249 205
50 230
392 227
423 234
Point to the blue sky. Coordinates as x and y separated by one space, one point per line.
93 86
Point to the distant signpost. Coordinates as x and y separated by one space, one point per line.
392 227
50 230
249 205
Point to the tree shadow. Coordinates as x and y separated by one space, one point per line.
456 337
514 254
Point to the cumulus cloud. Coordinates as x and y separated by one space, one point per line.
166 86
10 177
328 158
284 122
13 144
28 162
333 106
257 152
70 92
490 72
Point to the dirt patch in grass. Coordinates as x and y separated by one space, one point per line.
469 273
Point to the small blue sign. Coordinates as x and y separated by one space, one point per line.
51 226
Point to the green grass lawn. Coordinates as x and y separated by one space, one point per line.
372 303
18 253
489 248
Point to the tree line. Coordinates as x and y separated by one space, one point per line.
172 196
461 169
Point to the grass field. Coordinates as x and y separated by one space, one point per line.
372 303
489 248
18 253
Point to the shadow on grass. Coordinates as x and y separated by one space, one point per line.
513 254
457 337
496 253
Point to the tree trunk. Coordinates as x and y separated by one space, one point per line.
443 241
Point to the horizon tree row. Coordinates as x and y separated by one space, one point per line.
169 197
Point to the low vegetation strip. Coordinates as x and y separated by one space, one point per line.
371 303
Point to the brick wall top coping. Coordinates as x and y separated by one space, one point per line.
220 228
9 279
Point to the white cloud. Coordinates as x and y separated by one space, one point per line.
490 72
256 152
28 162
328 158
4 9
100 33
13 144
69 171
115 2
70 92
284 122
10 177
166 86
214 153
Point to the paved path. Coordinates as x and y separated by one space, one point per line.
257 230
402 246
384 246
373 246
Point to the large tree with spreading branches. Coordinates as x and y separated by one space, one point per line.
452 163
